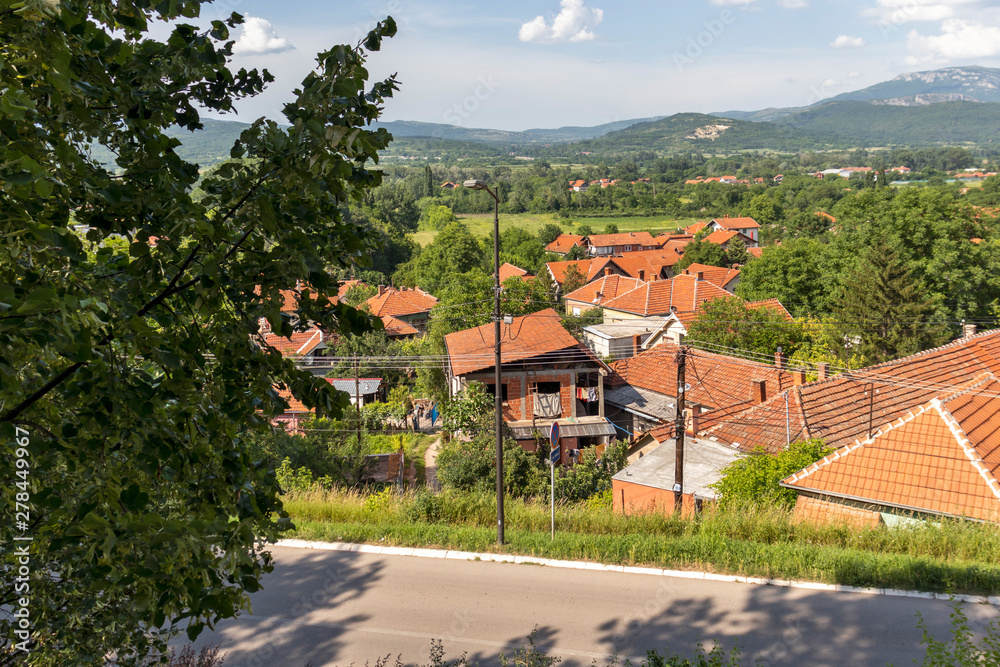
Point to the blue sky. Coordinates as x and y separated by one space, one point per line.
516 65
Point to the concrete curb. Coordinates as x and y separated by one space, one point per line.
624 569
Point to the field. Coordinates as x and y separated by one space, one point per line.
482 224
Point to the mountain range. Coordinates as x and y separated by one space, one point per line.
951 106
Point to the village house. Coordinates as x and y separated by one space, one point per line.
939 459
746 226
622 339
616 244
590 269
674 326
412 306
681 294
564 243
579 186
595 293
722 277
307 348
724 237
547 377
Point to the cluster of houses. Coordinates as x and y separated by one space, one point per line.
917 437
580 185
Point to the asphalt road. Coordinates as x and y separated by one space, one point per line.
342 608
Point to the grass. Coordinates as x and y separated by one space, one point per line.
482 224
951 557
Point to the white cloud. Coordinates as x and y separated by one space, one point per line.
959 39
573 23
846 41
792 4
732 3
898 12
831 83
259 38
853 75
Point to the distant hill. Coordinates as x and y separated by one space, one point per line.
888 125
203 147
408 128
695 131
950 84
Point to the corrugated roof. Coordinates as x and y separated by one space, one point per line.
703 460
642 401
366 386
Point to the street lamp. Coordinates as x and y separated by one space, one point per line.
481 185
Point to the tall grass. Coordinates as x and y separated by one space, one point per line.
950 556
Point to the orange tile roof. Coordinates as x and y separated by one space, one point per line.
696 227
836 410
397 327
774 304
402 301
648 267
719 383
626 238
603 289
527 337
294 404
716 275
756 252
508 270
298 344
745 222
721 237
564 243
824 214
942 457
684 293
346 286
590 268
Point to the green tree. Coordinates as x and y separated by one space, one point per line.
392 205
452 252
584 230
736 253
522 249
882 313
701 252
133 381
763 209
610 228
573 279
548 233
438 217
731 323
798 273
753 479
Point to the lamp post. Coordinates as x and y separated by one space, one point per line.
497 387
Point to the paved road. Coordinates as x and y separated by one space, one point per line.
338 608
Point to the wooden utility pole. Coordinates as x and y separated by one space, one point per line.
357 399
871 406
679 432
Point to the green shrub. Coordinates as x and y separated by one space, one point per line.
754 478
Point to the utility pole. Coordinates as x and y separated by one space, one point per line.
498 387
679 432
357 399
871 406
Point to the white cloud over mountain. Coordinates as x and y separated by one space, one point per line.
259 38
573 23
958 39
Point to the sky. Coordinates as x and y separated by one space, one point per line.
517 65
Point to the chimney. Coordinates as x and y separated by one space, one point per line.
691 421
381 290
636 344
779 359
798 377
823 370
968 330
758 391
701 275
607 270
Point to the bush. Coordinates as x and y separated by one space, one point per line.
754 478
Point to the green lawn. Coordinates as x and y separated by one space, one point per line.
482 224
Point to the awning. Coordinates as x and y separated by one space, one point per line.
586 427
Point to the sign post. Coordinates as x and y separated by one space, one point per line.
554 455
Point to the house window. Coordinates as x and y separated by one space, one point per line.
576 311
628 248
492 392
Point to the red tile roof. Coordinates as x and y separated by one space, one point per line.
683 292
719 383
299 344
564 243
397 327
696 227
396 302
722 237
836 410
942 457
607 287
736 223
716 275
508 270
756 252
627 238
527 337
773 304
590 268
346 286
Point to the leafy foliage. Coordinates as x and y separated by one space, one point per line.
754 478
731 323
139 377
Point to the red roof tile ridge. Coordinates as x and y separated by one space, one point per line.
962 438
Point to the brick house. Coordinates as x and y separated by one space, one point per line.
547 376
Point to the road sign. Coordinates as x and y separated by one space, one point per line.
556 452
